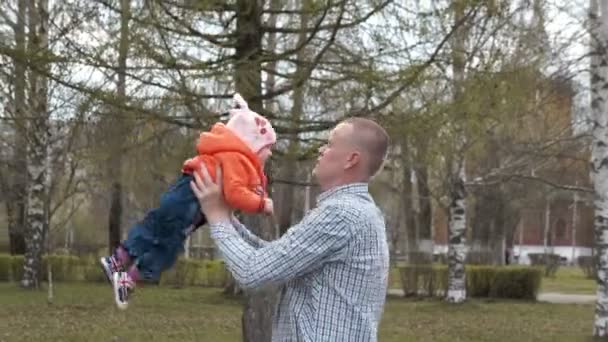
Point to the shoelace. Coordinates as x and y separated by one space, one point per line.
125 282
115 265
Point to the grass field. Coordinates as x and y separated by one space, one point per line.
569 280
85 312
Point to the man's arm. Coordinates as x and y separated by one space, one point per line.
246 234
321 235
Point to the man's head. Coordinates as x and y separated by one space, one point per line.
354 152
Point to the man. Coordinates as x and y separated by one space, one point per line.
333 265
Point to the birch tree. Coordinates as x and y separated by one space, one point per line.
599 156
37 153
457 208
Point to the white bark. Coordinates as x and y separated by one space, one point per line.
457 219
599 159
36 149
456 244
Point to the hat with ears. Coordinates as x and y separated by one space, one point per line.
254 129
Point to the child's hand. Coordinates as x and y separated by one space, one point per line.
268 206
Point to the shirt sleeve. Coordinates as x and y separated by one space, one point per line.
321 236
247 235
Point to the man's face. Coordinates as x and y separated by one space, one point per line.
335 156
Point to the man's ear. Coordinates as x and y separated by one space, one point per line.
353 159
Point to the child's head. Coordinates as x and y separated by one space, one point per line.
255 130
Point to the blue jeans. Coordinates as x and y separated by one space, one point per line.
155 242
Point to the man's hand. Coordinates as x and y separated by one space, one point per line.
210 195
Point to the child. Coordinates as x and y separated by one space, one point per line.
152 246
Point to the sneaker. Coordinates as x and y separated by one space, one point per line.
123 286
110 266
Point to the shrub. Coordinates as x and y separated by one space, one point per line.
5 267
193 272
91 269
215 271
63 267
516 283
17 267
185 272
425 280
589 265
482 281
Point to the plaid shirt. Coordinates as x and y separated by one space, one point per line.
333 268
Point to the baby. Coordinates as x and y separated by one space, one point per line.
241 147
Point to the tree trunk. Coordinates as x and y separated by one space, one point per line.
457 209
407 200
599 159
17 196
456 244
259 305
37 152
424 200
284 193
497 239
291 160
122 128
488 225
248 71
547 229
482 221
574 224
115 214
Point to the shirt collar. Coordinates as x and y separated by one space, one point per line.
350 189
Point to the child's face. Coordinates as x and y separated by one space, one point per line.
264 154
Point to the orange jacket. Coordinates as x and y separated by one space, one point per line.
244 181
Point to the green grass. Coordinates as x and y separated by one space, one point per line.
394 279
85 312
569 280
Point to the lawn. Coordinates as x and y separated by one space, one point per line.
569 280
85 312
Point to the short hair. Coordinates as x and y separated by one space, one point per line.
371 137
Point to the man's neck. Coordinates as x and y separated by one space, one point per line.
342 182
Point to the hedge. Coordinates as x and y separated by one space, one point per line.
514 282
589 265
186 272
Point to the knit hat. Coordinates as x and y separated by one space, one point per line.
254 129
